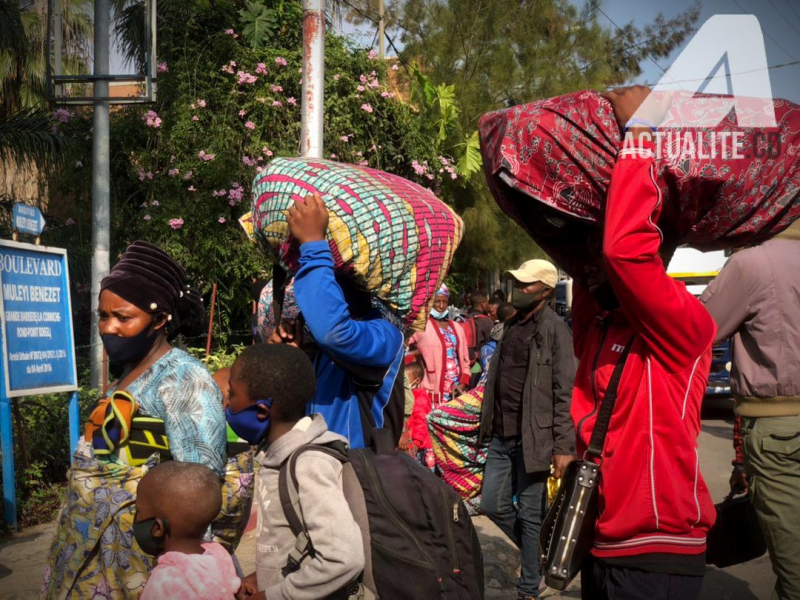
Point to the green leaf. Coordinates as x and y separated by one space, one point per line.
470 161
259 23
426 88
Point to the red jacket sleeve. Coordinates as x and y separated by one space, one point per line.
672 322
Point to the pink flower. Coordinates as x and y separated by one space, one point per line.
291 101
262 100
366 108
219 193
221 220
444 160
149 175
231 203
248 161
261 69
141 175
281 61
245 77
147 217
62 115
162 67
266 151
236 194
155 203
69 222
202 103
361 88
333 156
277 103
176 223
195 118
229 67
374 84
362 78
395 67
453 176
173 172
387 94
151 119
345 138
372 54
206 157
242 112
363 163
336 77
192 188
250 125
276 88
187 176
231 32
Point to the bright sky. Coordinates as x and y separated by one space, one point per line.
779 20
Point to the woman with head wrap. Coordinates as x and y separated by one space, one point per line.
443 348
165 405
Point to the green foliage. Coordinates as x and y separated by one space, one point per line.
258 22
224 110
38 498
470 160
221 358
27 136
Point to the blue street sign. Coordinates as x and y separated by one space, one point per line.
28 219
37 341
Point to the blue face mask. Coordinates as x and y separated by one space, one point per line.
440 315
246 424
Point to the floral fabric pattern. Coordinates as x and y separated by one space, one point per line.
452 372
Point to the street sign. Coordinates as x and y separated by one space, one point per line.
28 219
36 340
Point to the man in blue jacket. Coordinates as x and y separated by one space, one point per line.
359 365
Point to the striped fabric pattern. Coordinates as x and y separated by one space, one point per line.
394 237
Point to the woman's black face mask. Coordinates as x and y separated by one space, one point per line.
130 350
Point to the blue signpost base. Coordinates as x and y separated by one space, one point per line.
7 449
74 422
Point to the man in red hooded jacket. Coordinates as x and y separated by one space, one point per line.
655 509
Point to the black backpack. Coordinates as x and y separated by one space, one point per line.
419 541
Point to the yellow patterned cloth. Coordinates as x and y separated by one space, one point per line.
394 237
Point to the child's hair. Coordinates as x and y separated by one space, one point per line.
415 370
188 492
281 372
504 311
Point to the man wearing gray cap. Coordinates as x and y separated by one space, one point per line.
526 415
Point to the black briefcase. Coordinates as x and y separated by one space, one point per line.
568 528
736 536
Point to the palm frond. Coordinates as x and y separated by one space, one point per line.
28 136
12 30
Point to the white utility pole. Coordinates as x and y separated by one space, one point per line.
312 106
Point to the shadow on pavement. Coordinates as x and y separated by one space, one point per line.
719 585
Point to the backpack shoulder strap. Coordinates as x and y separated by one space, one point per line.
288 493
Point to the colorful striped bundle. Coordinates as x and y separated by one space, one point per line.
394 237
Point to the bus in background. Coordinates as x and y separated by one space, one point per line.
696 269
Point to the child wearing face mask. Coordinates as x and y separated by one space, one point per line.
270 386
175 504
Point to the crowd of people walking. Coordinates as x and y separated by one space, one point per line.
496 400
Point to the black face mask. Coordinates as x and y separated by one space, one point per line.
130 350
525 302
143 532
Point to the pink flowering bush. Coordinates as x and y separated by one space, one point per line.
176 223
162 67
151 119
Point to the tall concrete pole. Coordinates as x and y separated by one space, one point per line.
313 78
101 181
381 29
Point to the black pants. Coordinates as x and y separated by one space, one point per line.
602 582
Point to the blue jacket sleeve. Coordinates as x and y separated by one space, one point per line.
372 343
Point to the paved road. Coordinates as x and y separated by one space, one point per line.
21 559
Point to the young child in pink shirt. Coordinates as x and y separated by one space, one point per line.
175 504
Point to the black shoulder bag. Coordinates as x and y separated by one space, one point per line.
567 533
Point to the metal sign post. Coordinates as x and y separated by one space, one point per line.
37 343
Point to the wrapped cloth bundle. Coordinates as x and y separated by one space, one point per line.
554 158
392 236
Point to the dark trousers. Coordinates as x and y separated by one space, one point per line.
602 582
504 478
